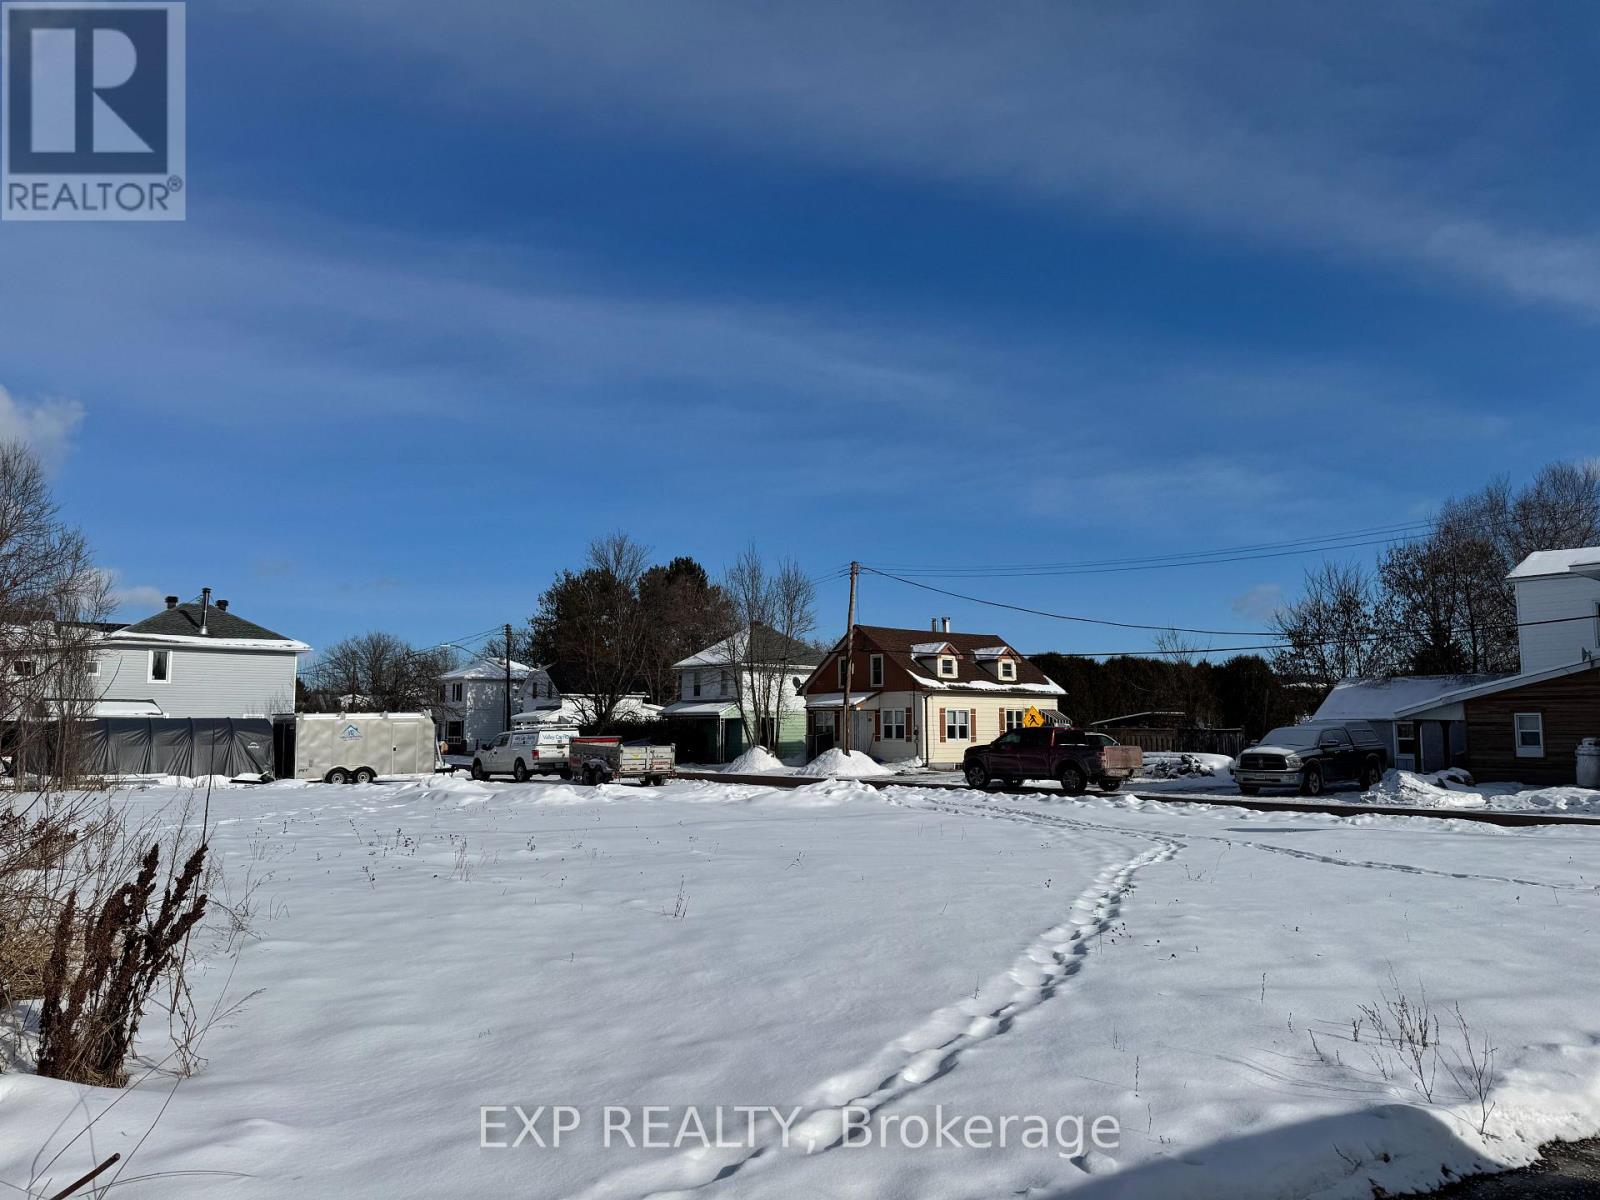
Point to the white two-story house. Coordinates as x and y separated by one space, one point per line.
195 659
473 701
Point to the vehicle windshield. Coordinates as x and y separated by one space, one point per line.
1293 735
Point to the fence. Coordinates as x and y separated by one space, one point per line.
1184 741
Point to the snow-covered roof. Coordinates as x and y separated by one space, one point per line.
836 699
1384 699
922 648
1048 688
771 648
1542 563
1504 683
701 708
488 668
992 652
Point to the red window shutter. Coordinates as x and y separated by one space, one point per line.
910 733
877 725
941 725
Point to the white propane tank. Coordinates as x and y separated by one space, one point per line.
1589 763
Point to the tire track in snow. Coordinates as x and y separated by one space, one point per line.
915 1059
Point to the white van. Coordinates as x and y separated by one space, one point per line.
519 753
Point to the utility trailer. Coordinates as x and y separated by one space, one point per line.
354 747
596 760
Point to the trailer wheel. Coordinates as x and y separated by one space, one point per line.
337 775
365 775
565 773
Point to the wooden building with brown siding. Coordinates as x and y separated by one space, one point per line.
1527 728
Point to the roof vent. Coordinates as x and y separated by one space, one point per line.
172 602
222 606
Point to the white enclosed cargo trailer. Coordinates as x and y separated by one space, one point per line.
354 747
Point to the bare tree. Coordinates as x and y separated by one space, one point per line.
379 671
1334 632
775 612
593 628
52 600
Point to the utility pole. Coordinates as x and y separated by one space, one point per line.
507 725
849 655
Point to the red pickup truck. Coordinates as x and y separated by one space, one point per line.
1072 757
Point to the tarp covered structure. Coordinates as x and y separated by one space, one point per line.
188 746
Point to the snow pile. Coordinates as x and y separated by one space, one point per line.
757 760
1455 788
1159 765
836 764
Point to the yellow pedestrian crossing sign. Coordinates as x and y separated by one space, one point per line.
1032 718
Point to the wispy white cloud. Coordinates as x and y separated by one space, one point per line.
131 599
1290 121
1260 603
46 426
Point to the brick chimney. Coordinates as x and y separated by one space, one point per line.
172 602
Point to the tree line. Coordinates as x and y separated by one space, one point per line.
1438 604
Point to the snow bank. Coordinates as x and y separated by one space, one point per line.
1455 789
757 760
836 764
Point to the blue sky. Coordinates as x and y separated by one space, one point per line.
464 285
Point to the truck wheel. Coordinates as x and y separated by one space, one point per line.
1108 785
477 770
565 773
1311 781
978 777
337 775
519 771
1371 773
1073 782
365 775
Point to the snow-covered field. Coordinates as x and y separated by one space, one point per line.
423 951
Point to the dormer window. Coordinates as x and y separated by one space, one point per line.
1008 669
947 667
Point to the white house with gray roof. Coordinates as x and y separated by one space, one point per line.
194 659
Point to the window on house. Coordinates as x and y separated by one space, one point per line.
694 683
875 671
957 725
1530 735
457 690
455 731
22 667
947 667
160 666
1011 718
843 664
1405 744
1008 669
894 725
93 668
725 683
